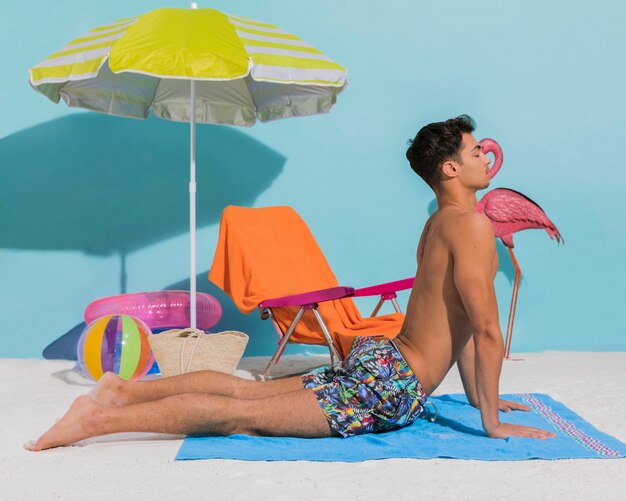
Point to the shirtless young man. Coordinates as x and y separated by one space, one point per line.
452 316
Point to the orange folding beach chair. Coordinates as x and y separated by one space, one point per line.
268 259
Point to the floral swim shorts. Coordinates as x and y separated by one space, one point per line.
372 390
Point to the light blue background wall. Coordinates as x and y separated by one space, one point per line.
546 79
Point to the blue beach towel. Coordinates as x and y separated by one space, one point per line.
456 433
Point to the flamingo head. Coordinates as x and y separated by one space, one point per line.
488 145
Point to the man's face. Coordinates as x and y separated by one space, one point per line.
474 165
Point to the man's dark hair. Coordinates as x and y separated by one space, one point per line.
435 144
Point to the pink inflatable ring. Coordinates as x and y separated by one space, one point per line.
159 310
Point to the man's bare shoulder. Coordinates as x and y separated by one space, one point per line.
467 227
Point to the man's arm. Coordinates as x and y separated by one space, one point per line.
466 363
474 252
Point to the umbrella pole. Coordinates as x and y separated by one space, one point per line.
192 204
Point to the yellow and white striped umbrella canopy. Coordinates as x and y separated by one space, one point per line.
244 69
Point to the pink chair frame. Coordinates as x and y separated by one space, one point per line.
309 301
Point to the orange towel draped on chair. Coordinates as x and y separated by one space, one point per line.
265 253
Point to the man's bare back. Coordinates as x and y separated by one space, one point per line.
436 327
452 315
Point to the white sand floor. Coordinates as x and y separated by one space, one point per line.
33 393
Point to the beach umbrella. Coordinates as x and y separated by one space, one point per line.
192 65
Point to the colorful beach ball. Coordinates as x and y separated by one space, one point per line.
115 343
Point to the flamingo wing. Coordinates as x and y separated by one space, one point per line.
518 212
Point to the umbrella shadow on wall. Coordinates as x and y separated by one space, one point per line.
505 265
105 185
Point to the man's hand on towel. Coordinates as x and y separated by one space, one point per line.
504 430
508 406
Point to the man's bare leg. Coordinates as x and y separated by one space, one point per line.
296 414
113 390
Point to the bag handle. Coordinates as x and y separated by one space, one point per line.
188 334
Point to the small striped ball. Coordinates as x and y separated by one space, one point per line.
115 343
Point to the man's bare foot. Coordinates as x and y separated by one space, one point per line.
79 422
110 390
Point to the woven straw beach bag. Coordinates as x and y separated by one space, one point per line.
178 351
